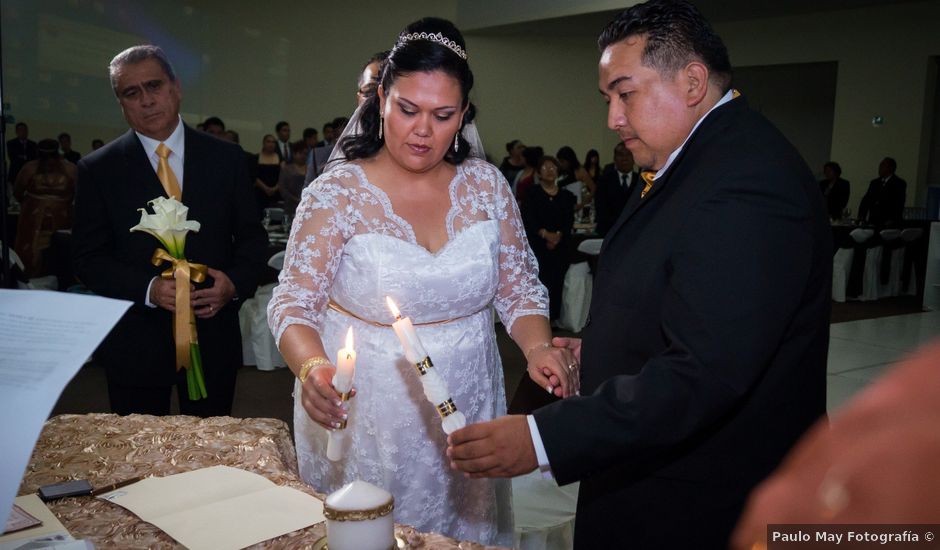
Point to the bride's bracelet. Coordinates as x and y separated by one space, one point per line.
536 347
309 364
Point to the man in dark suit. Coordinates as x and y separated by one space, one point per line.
282 129
835 189
65 144
617 182
120 178
704 357
883 203
20 150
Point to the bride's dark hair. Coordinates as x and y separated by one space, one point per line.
415 56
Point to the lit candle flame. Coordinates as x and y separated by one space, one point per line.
393 307
349 339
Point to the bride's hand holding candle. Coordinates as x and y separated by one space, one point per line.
342 384
319 396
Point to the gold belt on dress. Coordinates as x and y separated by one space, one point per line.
336 307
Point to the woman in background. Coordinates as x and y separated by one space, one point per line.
266 173
548 213
45 188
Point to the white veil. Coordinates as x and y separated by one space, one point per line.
354 128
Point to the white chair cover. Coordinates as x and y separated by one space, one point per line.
591 246
258 347
543 512
576 297
842 264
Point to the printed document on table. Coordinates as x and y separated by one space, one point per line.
45 337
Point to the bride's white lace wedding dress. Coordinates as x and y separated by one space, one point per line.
349 247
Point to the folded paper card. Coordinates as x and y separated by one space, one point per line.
219 507
51 528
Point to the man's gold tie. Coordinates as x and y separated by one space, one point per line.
647 176
165 173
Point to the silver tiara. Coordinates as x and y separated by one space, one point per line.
435 37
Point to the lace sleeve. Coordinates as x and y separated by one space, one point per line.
520 292
319 232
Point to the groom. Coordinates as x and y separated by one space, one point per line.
704 357
121 177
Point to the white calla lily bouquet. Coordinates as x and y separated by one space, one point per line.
169 225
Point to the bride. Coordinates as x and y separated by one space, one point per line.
411 211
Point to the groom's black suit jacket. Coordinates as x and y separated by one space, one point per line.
704 357
116 180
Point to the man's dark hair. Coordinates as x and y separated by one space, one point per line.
21 125
327 125
309 132
64 135
892 164
279 125
676 34
213 121
137 54
511 144
834 166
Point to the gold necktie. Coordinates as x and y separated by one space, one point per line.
647 176
165 173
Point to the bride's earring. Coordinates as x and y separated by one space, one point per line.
381 123
457 141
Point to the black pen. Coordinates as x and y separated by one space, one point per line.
113 486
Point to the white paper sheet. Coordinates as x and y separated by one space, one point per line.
45 337
219 507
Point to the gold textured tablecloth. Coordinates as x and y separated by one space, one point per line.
107 448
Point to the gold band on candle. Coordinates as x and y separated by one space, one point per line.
423 366
344 396
446 408
359 515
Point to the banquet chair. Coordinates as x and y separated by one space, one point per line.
842 263
903 280
543 513
273 216
576 293
873 287
258 346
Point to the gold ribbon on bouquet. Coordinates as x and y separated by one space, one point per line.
184 272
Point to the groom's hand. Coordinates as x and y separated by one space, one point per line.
498 448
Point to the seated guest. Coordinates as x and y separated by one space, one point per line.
526 177
291 182
45 188
570 170
834 189
883 203
548 215
614 187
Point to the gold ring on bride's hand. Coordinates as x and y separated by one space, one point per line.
572 366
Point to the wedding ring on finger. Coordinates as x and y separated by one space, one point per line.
572 366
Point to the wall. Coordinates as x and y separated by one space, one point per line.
250 63
883 54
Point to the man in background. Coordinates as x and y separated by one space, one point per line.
614 187
883 203
20 150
